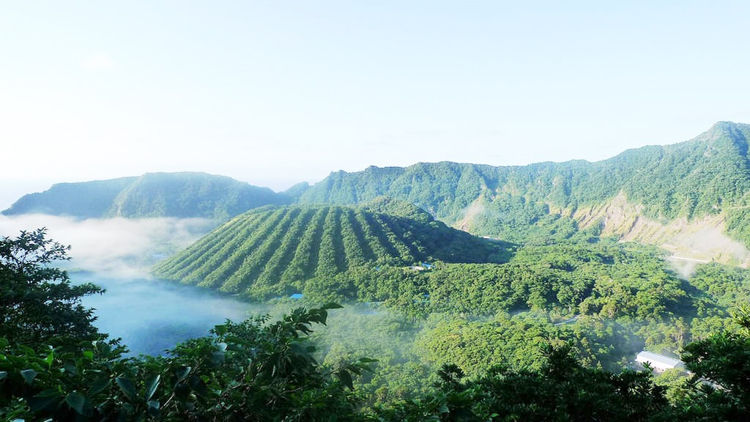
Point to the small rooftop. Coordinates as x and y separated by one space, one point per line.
658 361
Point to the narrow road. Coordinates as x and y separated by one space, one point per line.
682 258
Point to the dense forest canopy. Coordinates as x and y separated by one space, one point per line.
491 304
262 369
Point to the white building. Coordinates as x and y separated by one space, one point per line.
659 362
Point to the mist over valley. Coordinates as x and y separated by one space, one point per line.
117 254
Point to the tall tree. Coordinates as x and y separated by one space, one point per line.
721 373
38 303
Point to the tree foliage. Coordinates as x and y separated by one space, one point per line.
256 370
578 312
38 303
720 385
561 389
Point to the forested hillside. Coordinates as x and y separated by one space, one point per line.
624 287
273 250
708 175
55 365
150 195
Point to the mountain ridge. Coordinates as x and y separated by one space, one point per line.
706 176
158 194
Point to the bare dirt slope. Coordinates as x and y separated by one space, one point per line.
692 241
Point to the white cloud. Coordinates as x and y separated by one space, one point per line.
98 62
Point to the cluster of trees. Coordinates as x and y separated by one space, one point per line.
55 365
517 219
626 283
514 342
272 251
564 278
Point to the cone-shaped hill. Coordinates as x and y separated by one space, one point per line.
258 252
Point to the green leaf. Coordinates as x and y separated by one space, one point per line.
99 385
28 375
127 387
45 400
76 401
152 386
50 357
197 385
183 372
217 358
88 354
153 408
346 379
70 367
104 347
181 390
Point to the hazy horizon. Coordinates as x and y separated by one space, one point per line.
12 190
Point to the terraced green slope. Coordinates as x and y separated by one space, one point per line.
272 250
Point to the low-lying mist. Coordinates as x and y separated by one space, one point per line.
113 247
148 314
152 315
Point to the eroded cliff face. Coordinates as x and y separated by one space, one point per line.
697 240
471 212
690 241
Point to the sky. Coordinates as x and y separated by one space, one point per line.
274 93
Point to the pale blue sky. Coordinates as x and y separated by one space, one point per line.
278 92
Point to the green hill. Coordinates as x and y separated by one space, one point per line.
707 176
273 250
150 195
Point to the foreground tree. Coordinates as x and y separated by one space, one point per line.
256 370
562 390
38 303
720 386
